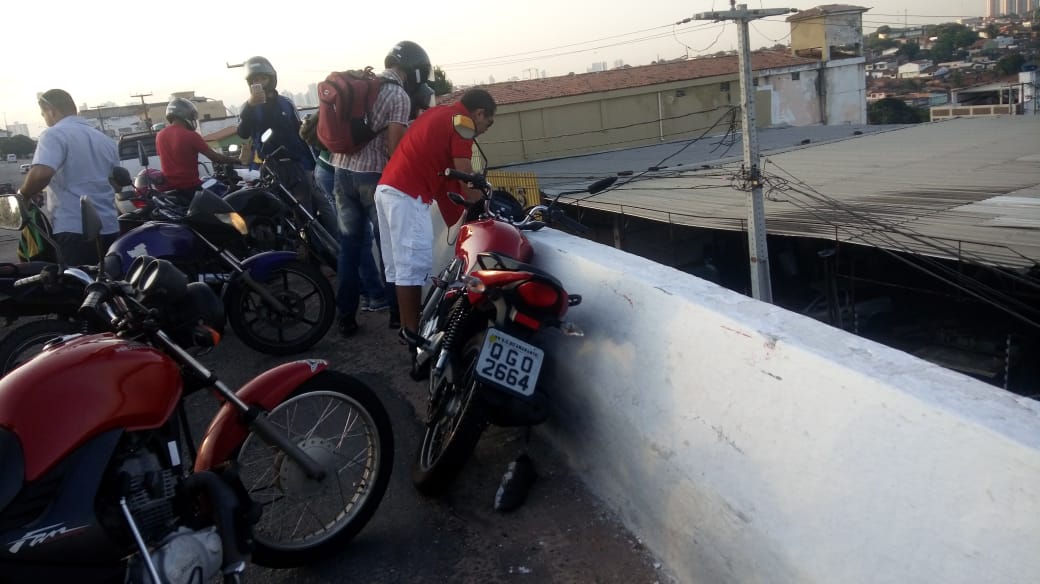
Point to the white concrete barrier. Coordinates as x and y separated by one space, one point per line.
744 443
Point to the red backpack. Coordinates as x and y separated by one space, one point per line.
345 105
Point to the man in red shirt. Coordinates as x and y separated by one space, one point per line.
411 181
179 146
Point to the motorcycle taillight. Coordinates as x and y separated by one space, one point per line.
538 294
140 203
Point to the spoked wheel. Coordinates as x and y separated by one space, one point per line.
26 341
340 423
456 421
309 310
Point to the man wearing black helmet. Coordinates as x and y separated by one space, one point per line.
264 110
179 146
357 174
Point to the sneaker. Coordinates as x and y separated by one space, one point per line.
395 320
413 341
347 326
517 481
363 302
374 305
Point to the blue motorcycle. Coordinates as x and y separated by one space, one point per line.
276 303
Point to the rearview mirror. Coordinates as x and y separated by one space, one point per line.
91 219
11 212
142 156
266 135
464 126
120 177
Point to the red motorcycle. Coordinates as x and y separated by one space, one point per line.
99 475
476 337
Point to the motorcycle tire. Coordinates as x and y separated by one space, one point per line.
27 340
311 304
339 421
454 426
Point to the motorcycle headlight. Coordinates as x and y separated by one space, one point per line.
161 279
133 273
235 220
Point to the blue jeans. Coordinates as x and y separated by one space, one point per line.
358 271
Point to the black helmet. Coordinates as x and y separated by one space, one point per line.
412 58
183 109
261 66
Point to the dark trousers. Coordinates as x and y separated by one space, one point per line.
77 251
355 203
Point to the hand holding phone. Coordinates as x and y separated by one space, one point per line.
257 94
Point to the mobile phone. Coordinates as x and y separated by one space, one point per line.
256 88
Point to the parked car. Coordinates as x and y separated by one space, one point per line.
128 153
25 168
12 158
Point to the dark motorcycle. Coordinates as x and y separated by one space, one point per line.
276 303
100 477
476 337
34 289
277 220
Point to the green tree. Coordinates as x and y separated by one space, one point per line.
18 144
952 41
1010 64
893 111
440 84
884 29
910 50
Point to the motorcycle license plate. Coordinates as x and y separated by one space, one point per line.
509 363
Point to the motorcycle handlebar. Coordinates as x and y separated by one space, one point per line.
30 280
95 294
477 180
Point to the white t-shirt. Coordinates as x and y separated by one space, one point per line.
82 159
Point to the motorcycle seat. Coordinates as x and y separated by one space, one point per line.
12 461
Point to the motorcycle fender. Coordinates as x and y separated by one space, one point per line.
261 264
227 432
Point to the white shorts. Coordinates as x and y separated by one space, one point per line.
405 236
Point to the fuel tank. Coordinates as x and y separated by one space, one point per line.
491 235
171 241
81 386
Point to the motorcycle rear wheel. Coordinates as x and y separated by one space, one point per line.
311 303
27 340
342 424
454 426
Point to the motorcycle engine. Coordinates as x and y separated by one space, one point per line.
185 556
149 490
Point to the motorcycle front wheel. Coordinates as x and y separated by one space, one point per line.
27 340
341 423
310 308
454 425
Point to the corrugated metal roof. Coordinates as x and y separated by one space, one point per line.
963 188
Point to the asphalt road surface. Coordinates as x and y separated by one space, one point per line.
562 534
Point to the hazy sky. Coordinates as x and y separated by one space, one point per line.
107 51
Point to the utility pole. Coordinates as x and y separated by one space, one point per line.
147 120
100 117
761 287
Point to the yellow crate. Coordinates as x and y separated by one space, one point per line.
522 185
